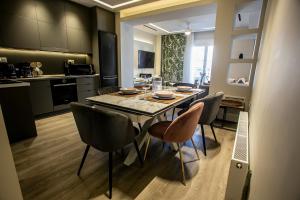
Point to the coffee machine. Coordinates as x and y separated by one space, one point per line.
23 70
7 71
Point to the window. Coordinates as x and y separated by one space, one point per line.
201 63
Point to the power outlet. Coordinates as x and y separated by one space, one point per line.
3 60
71 61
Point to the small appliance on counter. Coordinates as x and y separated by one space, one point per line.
78 69
7 71
23 70
36 69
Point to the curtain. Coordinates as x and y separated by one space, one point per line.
188 58
172 56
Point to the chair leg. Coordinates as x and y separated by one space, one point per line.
173 113
147 146
110 166
83 158
213 131
181 162
138 152
195 148
140 127
203 139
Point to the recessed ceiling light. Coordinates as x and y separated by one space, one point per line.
117 5
159 28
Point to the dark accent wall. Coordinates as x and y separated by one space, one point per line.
52 25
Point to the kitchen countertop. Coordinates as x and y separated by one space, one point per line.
10 85
55 76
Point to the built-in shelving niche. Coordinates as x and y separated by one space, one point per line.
245 32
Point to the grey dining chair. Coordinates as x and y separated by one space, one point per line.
105 131
209 114
186 104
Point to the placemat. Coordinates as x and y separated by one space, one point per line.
151 99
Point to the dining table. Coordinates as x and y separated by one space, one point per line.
142 108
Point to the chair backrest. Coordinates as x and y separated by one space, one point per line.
183 127
184 84
211 108
104 130
107 90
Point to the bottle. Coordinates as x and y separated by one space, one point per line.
156 83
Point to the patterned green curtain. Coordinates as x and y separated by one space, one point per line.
172 55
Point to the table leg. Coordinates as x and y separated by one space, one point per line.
141 139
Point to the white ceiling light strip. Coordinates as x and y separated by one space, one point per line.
118 5
159 28
141 40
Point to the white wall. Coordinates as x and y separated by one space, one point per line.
126 32
9 185
146 42
274 114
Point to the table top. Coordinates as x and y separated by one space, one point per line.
142 104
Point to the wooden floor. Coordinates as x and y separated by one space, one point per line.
47 166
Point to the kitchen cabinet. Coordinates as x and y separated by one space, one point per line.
52 25
78 28
56 25
18 32
87 87
17 111
79 41
41 97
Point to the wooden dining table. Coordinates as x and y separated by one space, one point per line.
142 108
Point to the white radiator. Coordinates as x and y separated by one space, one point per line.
239 162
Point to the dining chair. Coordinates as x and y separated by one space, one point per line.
105 131
178 131
107 90
209 113
185 104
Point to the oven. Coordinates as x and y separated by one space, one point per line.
64 91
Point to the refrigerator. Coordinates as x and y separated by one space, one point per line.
108 59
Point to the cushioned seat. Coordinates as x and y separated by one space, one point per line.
157 130
178 131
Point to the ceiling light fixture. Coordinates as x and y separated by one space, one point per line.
188 31
118 5
159 28
141 40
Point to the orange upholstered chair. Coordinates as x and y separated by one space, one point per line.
178 131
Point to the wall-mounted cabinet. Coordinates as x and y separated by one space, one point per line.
55 25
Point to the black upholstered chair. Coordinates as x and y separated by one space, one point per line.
106 131
107 90
209 114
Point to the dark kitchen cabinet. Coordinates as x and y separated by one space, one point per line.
78 28
52 25
56 25
79 41
17 113
19 32
52 37
87 87
41 98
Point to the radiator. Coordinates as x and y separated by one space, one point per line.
239 165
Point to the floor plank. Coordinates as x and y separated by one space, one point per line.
47 166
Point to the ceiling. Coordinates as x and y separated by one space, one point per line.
113 5
196 19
